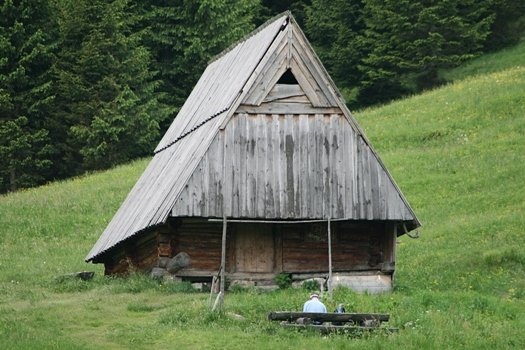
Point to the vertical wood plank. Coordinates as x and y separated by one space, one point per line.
297 165
228 173
261 166
236 164
340 167
325 155
250 166
283 203
219 166
329 229
269 177
289 154
241 162
277 165
304 174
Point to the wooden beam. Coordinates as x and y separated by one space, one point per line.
286 108
325 328
277 221
223 255
283 91
329 257
327 316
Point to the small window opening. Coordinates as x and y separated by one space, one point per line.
288 78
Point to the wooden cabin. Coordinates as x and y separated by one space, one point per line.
265 171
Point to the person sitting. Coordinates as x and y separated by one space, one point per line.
314 305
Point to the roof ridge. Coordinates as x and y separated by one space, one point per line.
263 26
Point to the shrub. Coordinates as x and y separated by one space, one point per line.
283 280
311 285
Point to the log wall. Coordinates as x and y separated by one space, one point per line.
260 249
355 246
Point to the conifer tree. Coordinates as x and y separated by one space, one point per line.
411 40
108 98
26 93
184 35
335 28
508 27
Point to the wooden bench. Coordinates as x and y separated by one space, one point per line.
331 321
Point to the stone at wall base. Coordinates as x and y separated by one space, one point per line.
372 284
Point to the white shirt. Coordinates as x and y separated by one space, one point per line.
314 305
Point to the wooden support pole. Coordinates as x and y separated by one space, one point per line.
223 262
214 281
329 258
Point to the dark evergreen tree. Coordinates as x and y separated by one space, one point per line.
271 8
411 40
184 35
107 93
26 92
336 28
509 24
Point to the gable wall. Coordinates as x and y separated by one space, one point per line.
290 167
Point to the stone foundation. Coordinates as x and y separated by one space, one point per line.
372 284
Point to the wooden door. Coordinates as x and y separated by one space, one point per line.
254 248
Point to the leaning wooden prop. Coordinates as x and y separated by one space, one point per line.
332 322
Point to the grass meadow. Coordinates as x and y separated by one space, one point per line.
458 155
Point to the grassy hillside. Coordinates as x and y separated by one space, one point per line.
457 153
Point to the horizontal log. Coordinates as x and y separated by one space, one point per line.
287 108
191 272
332 328
326 316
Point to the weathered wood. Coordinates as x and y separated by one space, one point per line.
261 167
269 180
328 328
82 275
220 297
284 91
245 146
265 180
269 73
152 198
223 254
201 240
312 71
329 255
254 249
270 221
291 316
307 84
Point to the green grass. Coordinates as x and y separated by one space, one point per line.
457 153
489 63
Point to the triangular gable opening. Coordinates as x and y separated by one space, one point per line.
290 66
287 89
287 78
